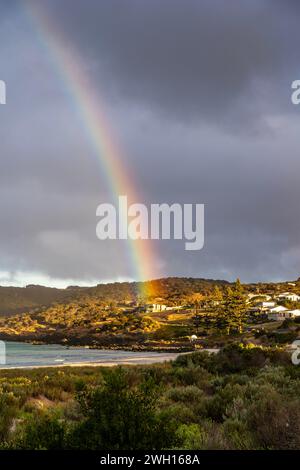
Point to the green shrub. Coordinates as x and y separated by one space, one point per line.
191 436
42 432
218 404
8 405
117 417
275 422
190 394
238 435
178 413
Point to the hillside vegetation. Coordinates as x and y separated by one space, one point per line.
112 315
18 300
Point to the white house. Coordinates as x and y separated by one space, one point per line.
262 306
175 307
295 313
289 296
266 305
283 314
278 313
278 309
156 308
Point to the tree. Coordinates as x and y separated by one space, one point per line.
208 315
231 313
217 295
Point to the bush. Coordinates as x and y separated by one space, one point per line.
217 405
195 359
178 413
238 435
42 432
195 375
7 412
189 395
275 422
116 417
283 338
191 436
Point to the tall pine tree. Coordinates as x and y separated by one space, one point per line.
231 314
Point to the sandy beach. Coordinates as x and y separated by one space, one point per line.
29 356
133 362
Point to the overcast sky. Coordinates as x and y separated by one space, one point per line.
198 95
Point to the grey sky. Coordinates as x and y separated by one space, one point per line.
198 95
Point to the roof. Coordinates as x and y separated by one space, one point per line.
285 294
295 312
278 309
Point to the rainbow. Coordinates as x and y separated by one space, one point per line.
92 112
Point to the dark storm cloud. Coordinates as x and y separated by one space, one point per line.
198 93
204 60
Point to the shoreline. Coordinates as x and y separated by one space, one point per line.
24 355
126 362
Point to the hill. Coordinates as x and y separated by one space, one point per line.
15 300
119 314
22 299
107 314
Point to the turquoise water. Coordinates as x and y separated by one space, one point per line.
29 355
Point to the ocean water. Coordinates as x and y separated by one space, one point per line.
14 355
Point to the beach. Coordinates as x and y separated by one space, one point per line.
30 356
